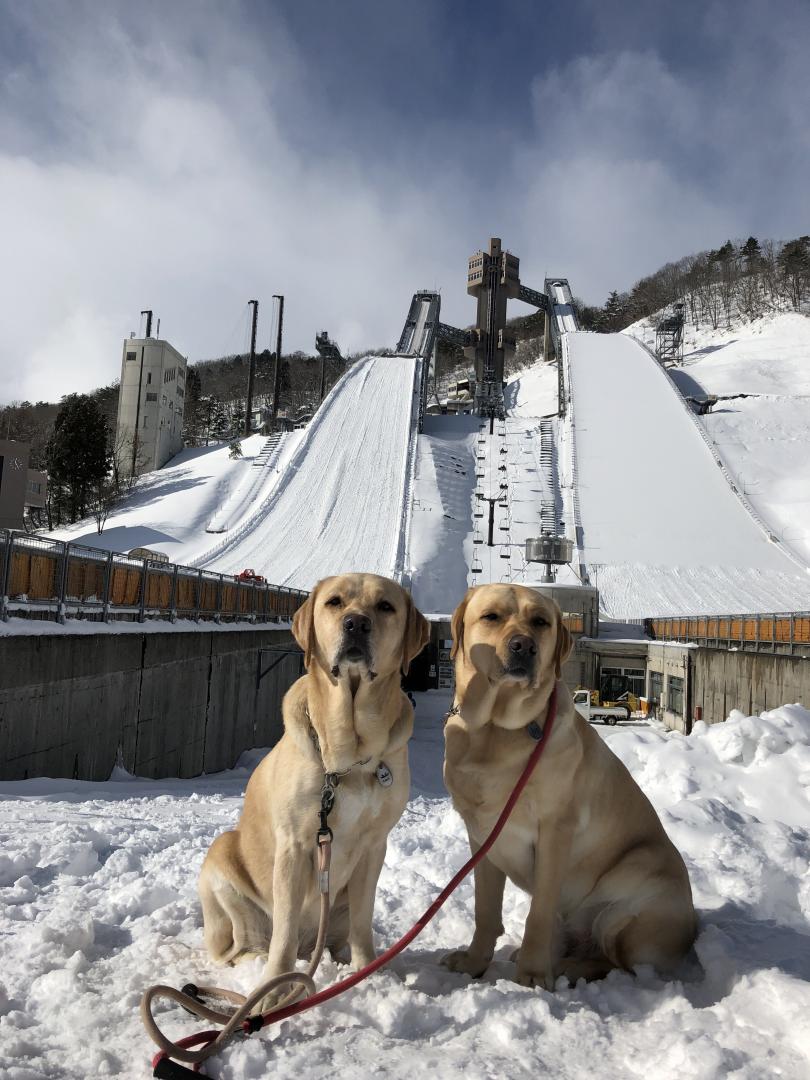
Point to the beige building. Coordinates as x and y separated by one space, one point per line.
20 487
150 404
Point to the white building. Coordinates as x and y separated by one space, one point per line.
150 404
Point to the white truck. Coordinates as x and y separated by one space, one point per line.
608 714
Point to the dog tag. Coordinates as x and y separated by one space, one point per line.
385 777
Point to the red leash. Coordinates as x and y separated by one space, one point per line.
163 1065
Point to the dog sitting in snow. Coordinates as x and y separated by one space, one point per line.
608 888
347 715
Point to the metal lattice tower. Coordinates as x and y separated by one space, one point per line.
669 336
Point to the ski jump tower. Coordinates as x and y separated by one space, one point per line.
492 278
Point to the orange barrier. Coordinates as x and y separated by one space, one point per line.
786 629
52 576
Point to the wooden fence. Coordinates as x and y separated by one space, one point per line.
754 631
57 578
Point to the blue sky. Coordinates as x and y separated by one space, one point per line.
191 156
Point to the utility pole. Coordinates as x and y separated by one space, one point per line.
277 376
252 368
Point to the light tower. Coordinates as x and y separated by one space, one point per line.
493 278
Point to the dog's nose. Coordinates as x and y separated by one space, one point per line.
521 644
357 624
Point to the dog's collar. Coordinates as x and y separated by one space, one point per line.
385 777
533 729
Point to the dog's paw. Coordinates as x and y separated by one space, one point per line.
462 961
545 980
361 958
341 954
282 995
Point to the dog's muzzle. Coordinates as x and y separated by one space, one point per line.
355 645
521 656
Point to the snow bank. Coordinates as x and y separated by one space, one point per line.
97 883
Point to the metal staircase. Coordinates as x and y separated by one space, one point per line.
266 452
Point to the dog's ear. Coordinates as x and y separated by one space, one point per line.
457 624
563 645
303 627
416 636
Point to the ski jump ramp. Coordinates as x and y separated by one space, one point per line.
343 502
659 527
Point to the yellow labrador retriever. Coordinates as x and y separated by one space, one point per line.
608 888
348 715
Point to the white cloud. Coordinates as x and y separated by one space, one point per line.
179 190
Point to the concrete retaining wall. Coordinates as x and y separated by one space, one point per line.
171 704
750 682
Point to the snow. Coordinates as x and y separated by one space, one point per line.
533 391
296 519
27 627
656 511
342 502
98 883
168 509
763 439
458 460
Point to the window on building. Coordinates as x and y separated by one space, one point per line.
130 356
163 402
656 686
675 694
148 377
146 421
615 681
151 397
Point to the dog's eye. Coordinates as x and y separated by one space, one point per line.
491 616
385 606
333 601
538 621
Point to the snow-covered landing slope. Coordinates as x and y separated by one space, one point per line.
98 900
764 436
343 502
657 513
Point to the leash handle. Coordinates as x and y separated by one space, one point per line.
212 1041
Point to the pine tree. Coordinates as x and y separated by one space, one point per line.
794 261
752 254
78 455
219 427
194 421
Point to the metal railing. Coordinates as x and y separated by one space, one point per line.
55 578
763 633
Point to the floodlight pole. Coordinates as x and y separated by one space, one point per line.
277 376
252 367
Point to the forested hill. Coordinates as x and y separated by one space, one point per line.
740 279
